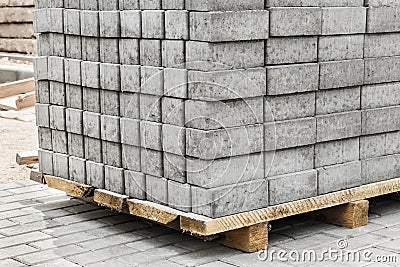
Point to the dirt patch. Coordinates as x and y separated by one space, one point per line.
15 136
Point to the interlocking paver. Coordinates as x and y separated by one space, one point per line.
58 231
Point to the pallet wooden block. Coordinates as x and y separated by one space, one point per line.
247 231
27 157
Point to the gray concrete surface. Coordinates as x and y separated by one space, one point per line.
43 227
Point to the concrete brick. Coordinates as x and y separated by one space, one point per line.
176 23
175 167
129 51
286 50
225 55
73 4
45 161
173 139
110 130
380 169
108 4
58 43
91 99
90 5
93 149
289 160
338 126
40 67
380 3
151 162
76 145
150 52
110 26
150 107
173 4
74 120
72 19
42 92
337 152
224 142
110 76
151 135
56 69
173 53
56 19
130 131
135 184
131 157
288 107
90 74
77 170
229 26
291 133
109 101
295 21
338 100
380 120
150 4
56 3
179 196
176 82
74 96
73 46
153 24
57 93
42 115
114 179
379 145
393 143
41 20
382 45
224 85
226 171
90 49
223 5
109 50
90 23
73 71
287 79
173 111
112 154
57 117
91 124
59 141
338 74
95 174
157 189
381 95
223 114
130 78
339 177
44 138
292 187
44 44
152 80
60 165
341 47
129 105
380 70
131 22
383 19
227 200
343 20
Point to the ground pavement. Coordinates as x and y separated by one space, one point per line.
43 227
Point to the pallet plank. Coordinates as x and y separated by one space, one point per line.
152 211
110 200
72 188
27 157
16 88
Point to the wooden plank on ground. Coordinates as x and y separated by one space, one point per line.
27 157
26 100
110 199
72 188
207 226
152 211
16 88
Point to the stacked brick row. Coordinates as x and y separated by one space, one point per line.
219 106
16 29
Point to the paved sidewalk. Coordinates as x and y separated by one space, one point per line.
43 227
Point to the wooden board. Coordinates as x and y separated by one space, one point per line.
25 101
73 189
110 200
27 157
16 88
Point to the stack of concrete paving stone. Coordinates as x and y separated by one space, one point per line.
219 106
16 30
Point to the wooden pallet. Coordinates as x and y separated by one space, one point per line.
247 231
